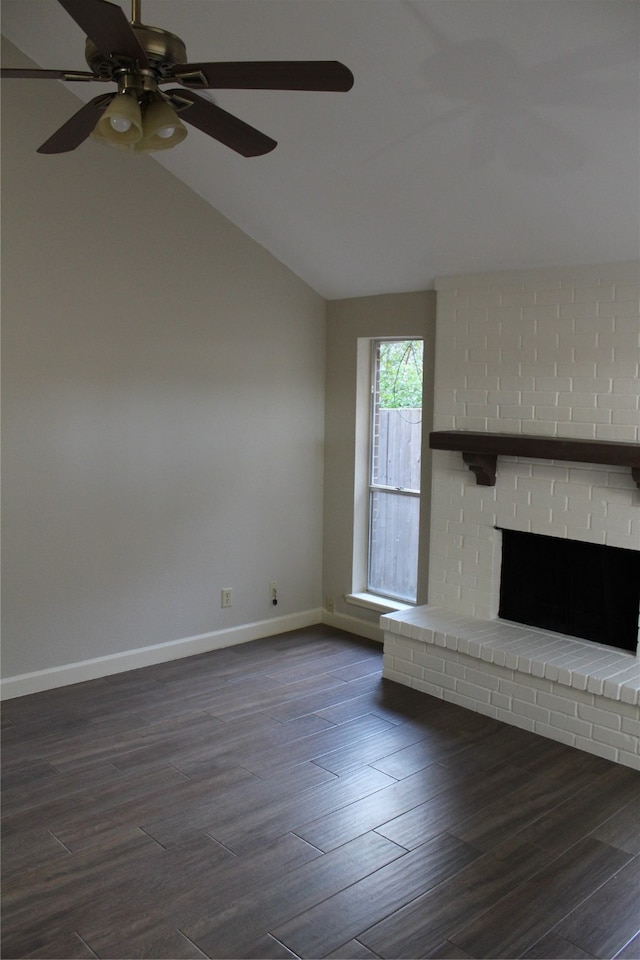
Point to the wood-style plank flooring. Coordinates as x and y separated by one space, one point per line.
279 799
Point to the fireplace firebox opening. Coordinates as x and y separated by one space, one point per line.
586 590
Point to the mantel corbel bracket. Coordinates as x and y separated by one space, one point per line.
483 465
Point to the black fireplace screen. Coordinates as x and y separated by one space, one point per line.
585 590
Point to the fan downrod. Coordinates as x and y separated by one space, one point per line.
164 50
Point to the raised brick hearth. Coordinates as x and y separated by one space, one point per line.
580 693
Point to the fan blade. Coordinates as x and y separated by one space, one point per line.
106 24
14 73
78 127
266 75
220 125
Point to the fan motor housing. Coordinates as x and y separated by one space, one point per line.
164 51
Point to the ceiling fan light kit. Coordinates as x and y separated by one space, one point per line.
141 126
121 123
161 127
138 58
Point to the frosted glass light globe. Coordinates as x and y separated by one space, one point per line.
121 124
165 132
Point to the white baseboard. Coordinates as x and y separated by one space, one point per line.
48 679
342 621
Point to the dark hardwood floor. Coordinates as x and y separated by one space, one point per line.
279 799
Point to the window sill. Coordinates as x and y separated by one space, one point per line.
380 604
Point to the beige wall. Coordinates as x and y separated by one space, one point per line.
401 315
163 381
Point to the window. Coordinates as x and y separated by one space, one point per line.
394 468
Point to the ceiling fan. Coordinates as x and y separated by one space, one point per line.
140 59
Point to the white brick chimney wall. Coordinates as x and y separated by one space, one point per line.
547 352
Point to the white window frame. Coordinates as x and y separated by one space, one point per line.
361 595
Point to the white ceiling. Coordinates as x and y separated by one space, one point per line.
479 134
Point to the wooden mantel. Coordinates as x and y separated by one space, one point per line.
480 450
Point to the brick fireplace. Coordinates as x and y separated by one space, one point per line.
548 354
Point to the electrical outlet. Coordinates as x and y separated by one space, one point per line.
330 604
225 597
273 590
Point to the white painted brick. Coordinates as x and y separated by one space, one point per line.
631 711
397 647
499 659
599 749
631 726
419 633
620 341
551 413
396 675
504 425
455 669
629 695
517 690
627 291
625 385
482 679
516 411
429 688
500 700
487 710
575 399
517 297
440 679
571 724
597 715
590 384
538 683
513 397
628 417
517 383
612 685
530 710
453 697
629 759
595 294
471 423
425 658
622 308
555 733
590 415
475 649
474 691
580 696
558 664
471 396
624 433
613 529
519 662
578 311
587 475
626 326
404 630
552 701
485 383
516 720
621 741
409 669
574 430
622 367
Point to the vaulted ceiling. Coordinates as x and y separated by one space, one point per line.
479 134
